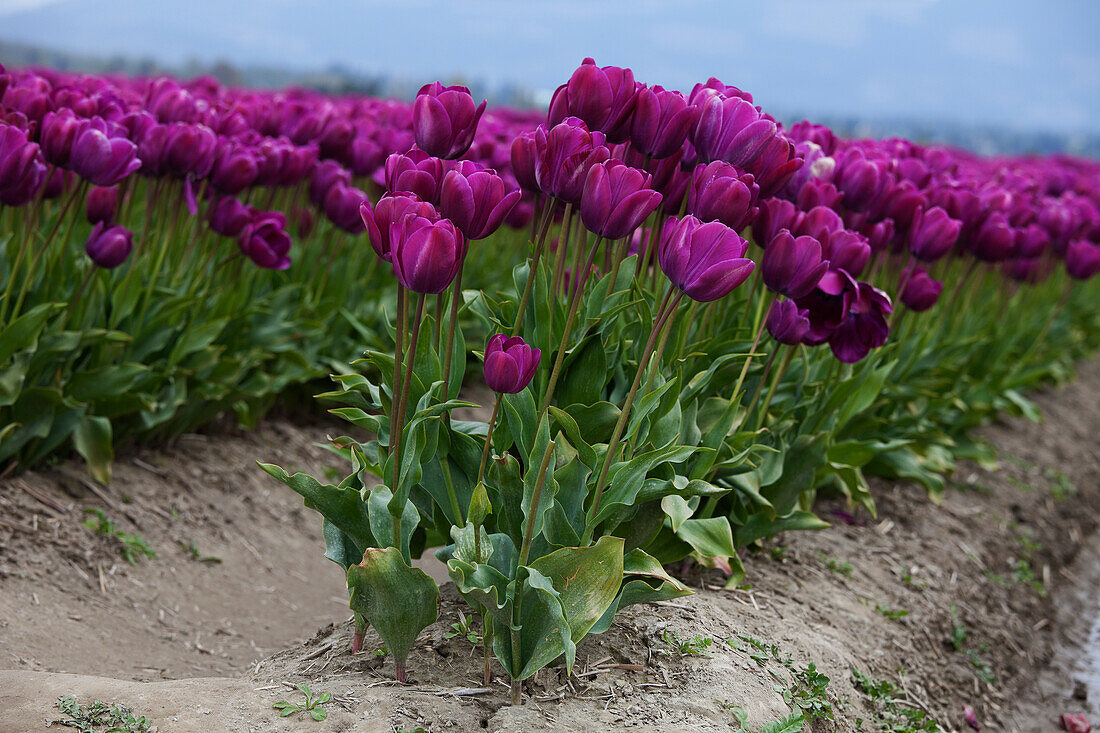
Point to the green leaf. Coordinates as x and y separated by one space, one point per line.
710 537
24 330
480 508
544 633
92 440
800 463
627 478
584 373
587 580
677 509
645 581
345 508
399 601
759 526
380 512
596 422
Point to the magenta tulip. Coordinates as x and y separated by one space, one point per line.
445 120
704 261
616 199
510 363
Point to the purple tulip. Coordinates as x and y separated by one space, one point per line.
1082 259
1027 269
704 261
787 323
415 172
662 120
56 136
565 154
828 304
265 241
445 120
730 129
100 157
1031 241
509 363
229 216
721 192
603 98
792 266
476 201
864 327
933 234
341 206
616 199
816 192
920 292
775 166
189 150
847 250
819 222
524 156
380 219
879 235
101 204
325 176
774 216
235 167
860 181
426 253
109 246
995 240
22 170
902 203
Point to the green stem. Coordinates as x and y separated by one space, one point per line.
406 383
488 441
544 226
563 250
395 401
791 350
752 350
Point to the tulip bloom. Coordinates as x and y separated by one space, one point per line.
787 323
426 253
604 98
861 182
379 220
704 261
476 201
828 304
730 129
921 292
264 240
56 136
510 363
1031 241
21 167
189 150
616 199
109 246
774 216
415 172
933 234
565 154
995 240
342 204
793 266
523 156
864 327
662 120
775 166
1082 259
721 192
445 120
101 205
229 216
101 158
235 168
847 250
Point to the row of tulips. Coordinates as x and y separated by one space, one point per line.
640 415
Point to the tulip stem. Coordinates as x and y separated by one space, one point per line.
903 280
763 379
563 247
791 350
406 383
574 302
668 307
752 351
488 441
544 226
395 401
456 296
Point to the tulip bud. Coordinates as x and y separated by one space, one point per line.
445 120
510 363
523 157
787 323
22 169
1031 241
616 199
819 222
565 154
229 216
1082 259
189 150
995 240
235 168
327 174
847 250
933 234
774 215
476 202
920 292
662 120
108 247
56 136
379 220
101 158
415 172
426 254
861 182
792 266
264 240
730 129
342 204
775 165
101 204
816 192
704 261
604 98
721 192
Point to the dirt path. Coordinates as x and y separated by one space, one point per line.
971 603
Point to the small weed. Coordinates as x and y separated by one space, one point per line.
763 652
462 628
133 546
312 705
958 630
193 550
891 714
778 553
381 651
810 693
1062 486
907 578
100 717
893 614
840 567
790 724
985 672
696 646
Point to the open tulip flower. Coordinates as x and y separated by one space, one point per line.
616 199
704 261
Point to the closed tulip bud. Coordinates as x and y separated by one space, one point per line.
721 192
101 204
775 166
445 120
920 292
933 234
995 240
365 155
730 129
704 261
109 246
235 168
792 266
616 199
1082 259
189 150
819 222
864 327
523 157
415 172
861 182
265 241
426 253
379 220
510 363
847 250
787 323
662 120
326 175
56 136
100 157
1031 241
476 201
22 169
300 160
604 98
774 216
341 206
816 192
566 152
229 216
303 216
879 235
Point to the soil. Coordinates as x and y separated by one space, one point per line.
985 601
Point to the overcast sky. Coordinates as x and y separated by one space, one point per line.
1028 65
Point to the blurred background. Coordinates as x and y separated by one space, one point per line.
1007 76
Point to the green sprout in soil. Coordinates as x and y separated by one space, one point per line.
790 724
133 548
462 628
99 717
840 567
696 646
312 705
193 550
1062 487
893 614
891 708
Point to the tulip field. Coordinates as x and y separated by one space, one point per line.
694 321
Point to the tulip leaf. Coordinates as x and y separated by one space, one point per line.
522 419
399 601
677 509
380 512
344 508
628 477
759 526
587 580
339 547
24 331
711 537
595 421
92 440
800 463
584 373
544 633
644 581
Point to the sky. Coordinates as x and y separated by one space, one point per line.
1017 64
